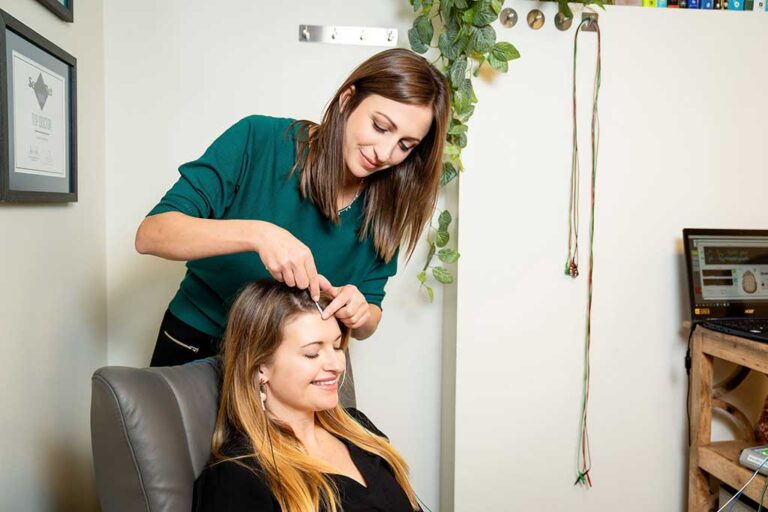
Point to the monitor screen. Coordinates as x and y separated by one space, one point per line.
728 273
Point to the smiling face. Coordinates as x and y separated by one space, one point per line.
304 373
380 133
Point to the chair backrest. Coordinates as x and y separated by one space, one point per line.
151 434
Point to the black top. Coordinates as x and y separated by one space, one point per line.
229 487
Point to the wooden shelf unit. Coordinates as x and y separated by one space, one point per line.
719 460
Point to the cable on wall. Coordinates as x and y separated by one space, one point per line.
584 458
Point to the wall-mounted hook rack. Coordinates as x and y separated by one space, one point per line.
365 36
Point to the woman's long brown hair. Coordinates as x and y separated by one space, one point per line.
299 482
399 200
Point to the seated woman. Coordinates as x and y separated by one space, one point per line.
281 441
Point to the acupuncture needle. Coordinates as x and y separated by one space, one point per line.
317 304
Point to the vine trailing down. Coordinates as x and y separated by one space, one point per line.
465 42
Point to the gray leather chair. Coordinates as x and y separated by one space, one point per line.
151 434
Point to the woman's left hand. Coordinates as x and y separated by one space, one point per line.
348 305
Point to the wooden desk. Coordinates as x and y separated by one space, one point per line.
719 460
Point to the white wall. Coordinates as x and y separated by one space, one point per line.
53 300
683 145
178 73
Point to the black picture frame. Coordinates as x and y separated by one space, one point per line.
65 12
48 139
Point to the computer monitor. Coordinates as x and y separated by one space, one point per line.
727 272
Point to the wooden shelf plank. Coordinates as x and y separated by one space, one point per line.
721 460
742 351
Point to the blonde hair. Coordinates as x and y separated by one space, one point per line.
399 201
299 482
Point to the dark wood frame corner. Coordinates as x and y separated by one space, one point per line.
65 13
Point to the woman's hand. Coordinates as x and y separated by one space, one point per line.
286 258
348 305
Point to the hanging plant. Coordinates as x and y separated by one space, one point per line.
466 42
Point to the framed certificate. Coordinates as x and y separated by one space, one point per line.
64 9
38 117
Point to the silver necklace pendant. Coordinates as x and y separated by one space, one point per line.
357 194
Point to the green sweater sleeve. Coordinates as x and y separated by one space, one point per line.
372 286
207 185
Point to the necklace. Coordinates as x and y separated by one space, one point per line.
357 194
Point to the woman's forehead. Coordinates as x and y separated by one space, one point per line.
412 120
309 327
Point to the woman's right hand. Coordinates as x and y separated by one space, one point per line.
286 258
180 237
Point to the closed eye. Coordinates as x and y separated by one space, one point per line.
381 129
311 356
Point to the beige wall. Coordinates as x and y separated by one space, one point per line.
53 300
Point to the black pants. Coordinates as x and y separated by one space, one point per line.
178 343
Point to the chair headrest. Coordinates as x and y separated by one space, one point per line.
151 433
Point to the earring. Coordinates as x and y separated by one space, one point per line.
263 396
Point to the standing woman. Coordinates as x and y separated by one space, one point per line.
316 206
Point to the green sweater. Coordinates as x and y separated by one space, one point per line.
245 174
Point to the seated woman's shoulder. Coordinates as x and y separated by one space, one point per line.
364 421
231 485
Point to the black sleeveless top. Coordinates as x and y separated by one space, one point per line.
230 487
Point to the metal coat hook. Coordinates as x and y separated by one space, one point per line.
508 17
563 22
535 19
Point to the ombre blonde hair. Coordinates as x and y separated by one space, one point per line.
254 332
399 200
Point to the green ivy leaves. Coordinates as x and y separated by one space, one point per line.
449 172
466 41
438 239
481 40
448 255
442 275
444 220
420 35
501 54
422 277
458 71
480 14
